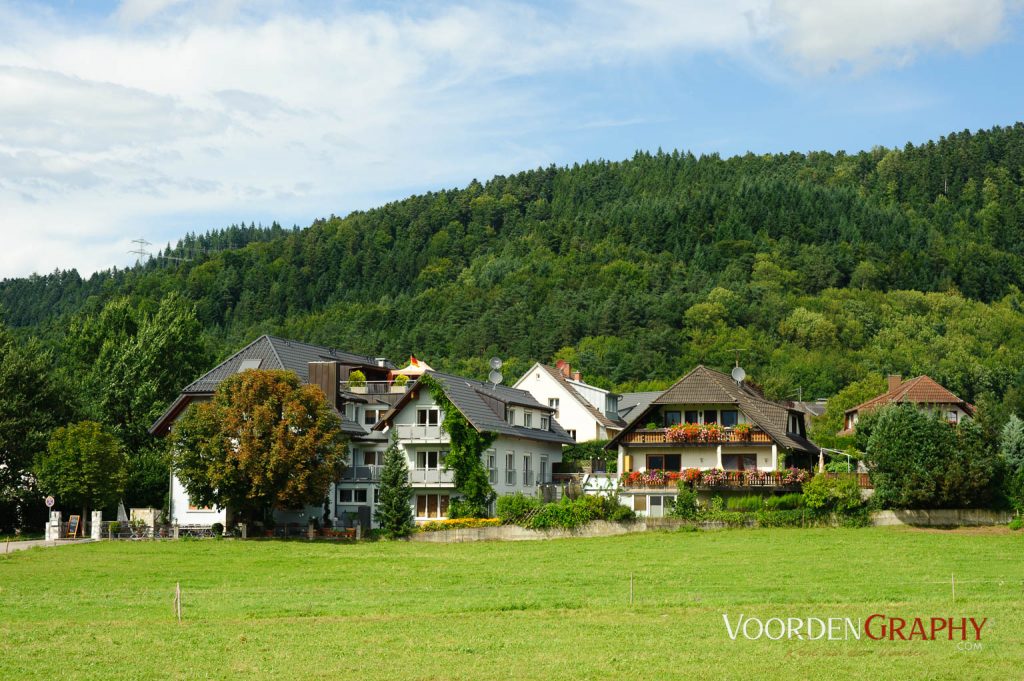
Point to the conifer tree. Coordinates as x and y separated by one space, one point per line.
394 510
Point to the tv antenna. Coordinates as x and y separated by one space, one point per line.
495 377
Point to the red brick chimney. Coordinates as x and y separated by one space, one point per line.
577 376
894 382
564 367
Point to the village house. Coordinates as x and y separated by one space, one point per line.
529 440
358 403
706 421
923 392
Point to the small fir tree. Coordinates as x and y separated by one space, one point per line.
394 511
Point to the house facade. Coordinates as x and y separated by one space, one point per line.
586 412
529 440
923 392
706 421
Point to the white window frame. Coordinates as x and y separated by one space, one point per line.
424 416
439 457
528 419
510 468
492 466
545 423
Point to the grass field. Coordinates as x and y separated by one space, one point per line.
521 610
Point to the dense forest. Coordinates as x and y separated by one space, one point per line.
825 270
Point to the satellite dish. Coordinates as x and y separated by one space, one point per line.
495 363
738 374
495 377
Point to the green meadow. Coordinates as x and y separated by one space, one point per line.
512 610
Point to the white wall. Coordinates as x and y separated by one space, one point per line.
703 457
183 515
572 415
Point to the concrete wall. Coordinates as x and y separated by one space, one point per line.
946 517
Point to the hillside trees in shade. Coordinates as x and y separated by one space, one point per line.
264 441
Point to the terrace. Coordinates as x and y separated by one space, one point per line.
716 478
696 435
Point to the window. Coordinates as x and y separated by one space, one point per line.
545 423
542 477
611 406
640 503
660 505
431 505
553 403
527 473
739 462
510 468
371 416
710 416
528 419
427 416
796 424
376 495
671 418
492 466
350 411
512 417
430 460
655 462
951 417
692 417
730 418
572 433
352 496
249 364
673 462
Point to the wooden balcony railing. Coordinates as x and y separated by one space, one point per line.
660 436
715 478
863 479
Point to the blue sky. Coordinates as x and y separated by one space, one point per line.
153 118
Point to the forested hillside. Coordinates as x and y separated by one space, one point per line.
824 268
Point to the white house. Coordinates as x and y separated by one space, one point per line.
585 411
528 443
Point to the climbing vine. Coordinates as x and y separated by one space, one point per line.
465 457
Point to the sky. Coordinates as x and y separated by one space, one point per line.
150 119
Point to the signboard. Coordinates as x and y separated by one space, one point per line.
50 501
73 525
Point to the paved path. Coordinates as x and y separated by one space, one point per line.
11 547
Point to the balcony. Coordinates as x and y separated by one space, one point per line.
693 437
420 433
361 474
374 387
716 478
431 476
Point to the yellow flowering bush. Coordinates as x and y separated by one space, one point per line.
457 524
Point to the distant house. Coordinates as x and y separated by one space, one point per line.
359 406
529 439
585 411
706 420
923 392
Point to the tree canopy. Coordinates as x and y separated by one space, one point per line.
264 441
84 466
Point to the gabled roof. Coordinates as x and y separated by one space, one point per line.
920 390
560 378
707 386
277 353
483 406
266 352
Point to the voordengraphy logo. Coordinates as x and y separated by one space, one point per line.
876 627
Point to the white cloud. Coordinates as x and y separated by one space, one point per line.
178 107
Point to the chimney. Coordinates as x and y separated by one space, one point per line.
894 382
577 376
564 367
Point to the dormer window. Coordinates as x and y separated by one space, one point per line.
545 423
796 424
511 417
528 419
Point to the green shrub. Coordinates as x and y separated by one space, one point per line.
824 494
784 502
566 514
789 518
747 504
401 380
685 505
729 518
511 508
217 529
114 528
1017 523
357 379
717 504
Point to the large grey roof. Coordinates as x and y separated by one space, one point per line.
277 353
479 402
707 386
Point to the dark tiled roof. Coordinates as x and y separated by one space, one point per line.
707 386
594 411
632 405
920 390
277 353
479 402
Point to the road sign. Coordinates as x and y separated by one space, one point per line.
50 501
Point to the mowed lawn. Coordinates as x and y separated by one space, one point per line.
516 610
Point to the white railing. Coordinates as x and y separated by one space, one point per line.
431 476
371 473
418 433
374 387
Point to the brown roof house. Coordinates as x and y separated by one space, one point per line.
921 391
708 423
